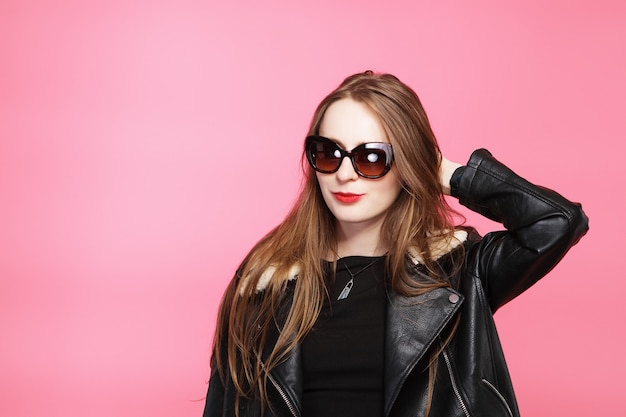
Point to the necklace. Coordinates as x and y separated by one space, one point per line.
346 290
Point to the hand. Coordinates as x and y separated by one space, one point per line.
446 169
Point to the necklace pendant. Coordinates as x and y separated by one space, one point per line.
346 290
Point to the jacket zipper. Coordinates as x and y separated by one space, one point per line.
283 395
455 388
281 392
500 396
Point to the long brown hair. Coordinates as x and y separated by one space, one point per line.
418 220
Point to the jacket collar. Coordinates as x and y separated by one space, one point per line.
439 249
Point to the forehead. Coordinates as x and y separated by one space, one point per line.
351 123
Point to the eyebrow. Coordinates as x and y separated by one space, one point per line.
337 141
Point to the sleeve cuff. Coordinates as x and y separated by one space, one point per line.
455 180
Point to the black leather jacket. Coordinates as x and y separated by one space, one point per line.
472 377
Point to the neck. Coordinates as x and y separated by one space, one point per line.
359 240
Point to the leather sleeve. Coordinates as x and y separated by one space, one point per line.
541 226
214 405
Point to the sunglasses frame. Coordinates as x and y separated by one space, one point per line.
385 147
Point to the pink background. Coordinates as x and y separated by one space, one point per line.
146 145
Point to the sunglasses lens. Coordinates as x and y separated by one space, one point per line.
370 160
325 156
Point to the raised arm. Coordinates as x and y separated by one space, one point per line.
541 225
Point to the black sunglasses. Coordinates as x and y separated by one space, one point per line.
370 160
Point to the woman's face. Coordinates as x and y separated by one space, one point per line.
356 202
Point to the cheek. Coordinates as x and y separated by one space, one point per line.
390 196
392 186
322 185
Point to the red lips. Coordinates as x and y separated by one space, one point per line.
347 198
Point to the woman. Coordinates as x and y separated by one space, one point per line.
367 300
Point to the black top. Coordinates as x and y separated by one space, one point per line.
343 355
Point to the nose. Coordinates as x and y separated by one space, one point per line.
346 171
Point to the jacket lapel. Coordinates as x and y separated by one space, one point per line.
413 324
288 377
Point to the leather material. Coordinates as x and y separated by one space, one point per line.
472 376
